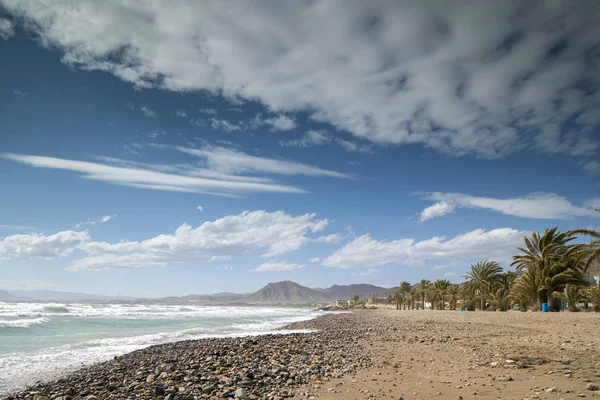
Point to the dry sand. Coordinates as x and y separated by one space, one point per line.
472 355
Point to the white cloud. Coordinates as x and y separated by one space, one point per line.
37 245
281 123
156 133
234 162
451 274
181 113
310 138
27 284
6 29
278 266
592 167
208 111
461 77
353 146
19 93
333 238
365 252
200 208
224 125
131 106
437 210
136 175
270 234
534 205
148 112
225 268
102 220
314 260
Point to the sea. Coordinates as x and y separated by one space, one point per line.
44 341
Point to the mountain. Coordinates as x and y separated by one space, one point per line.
345 292
287 292
224 297
6 296
51 295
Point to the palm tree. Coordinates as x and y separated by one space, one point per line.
467 295
550 263
593 295
423 289
453 294
573 295
482 276
592 253
439 291
500 292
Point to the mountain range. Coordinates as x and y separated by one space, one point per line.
284 292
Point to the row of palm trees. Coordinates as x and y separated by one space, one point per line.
549 269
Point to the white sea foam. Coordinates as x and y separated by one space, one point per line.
22 323
82 334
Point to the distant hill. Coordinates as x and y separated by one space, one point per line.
51 295
224 297
345 292
287 292
6 296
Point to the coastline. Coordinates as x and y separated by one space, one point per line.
381 354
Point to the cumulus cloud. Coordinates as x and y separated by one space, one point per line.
200 208
148 112
235 161
366 252
534 205
277 266
460 77
267 234
102 220
164 178
6 29
270 234
37 245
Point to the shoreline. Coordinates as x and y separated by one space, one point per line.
366 354
220 365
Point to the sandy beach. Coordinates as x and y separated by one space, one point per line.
367 354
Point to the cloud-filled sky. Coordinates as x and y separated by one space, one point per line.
201 148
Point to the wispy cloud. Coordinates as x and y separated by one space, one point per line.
278 267
148 112
534 205
281 123
156 133
181 113
200 208
366 252
331 239
211 111
19 93
17 227
102 220
319 138
592 167
235 161
131 106
6 29
136 176
225 125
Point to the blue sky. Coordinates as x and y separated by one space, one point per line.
149 151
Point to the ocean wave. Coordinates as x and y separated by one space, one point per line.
58 309
22 323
